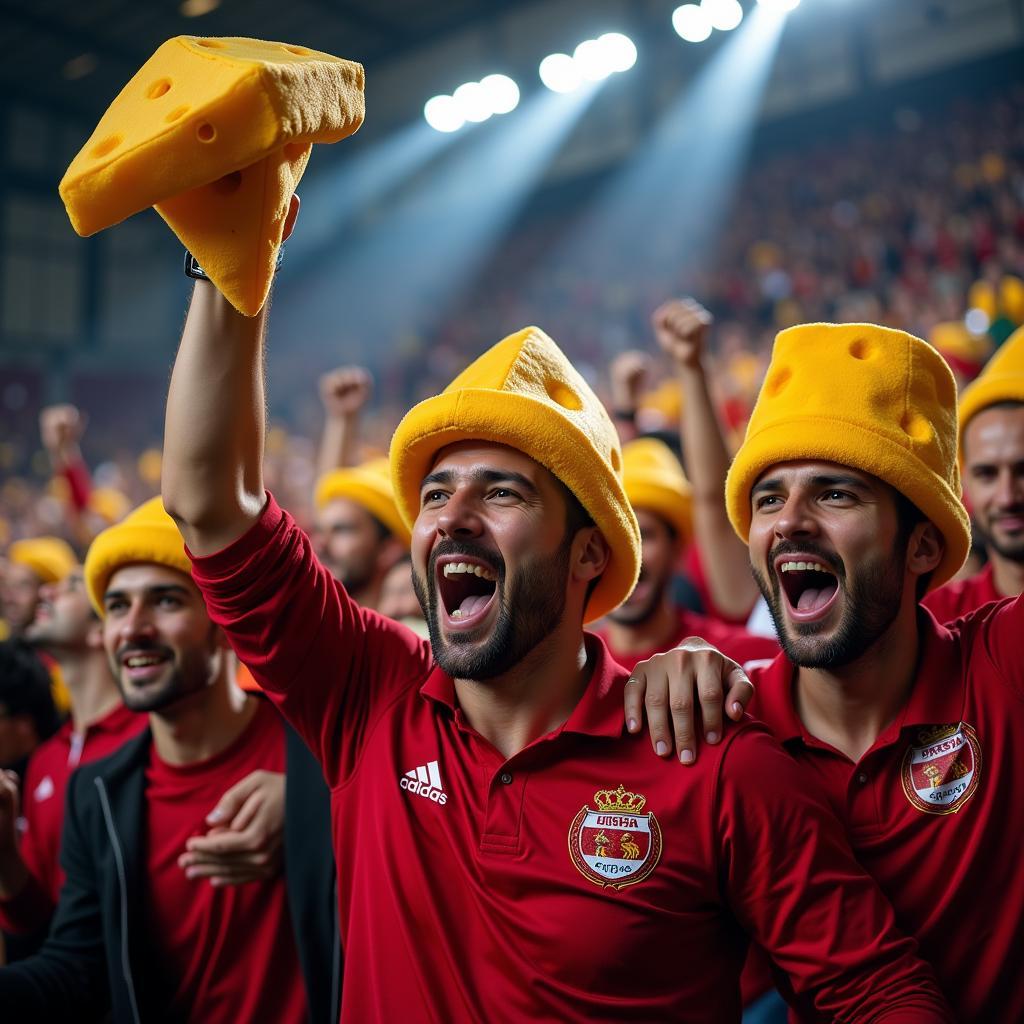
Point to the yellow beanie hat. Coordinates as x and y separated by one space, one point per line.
50 558
147 534
1002 380
368 485
524 393
873 398
654 480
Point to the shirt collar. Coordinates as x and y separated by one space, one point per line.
939 687
599 711
937 696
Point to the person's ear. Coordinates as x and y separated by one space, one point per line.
590 554
925 549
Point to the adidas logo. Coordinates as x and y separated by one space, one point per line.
425 781
44 790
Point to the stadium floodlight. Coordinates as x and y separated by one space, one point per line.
560 73
725 15
442 114
502 93
473 102
977 321
691 23
592 61
780 6
619 51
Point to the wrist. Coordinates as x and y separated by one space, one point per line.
13 875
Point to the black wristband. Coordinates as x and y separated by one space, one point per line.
193 270
626 415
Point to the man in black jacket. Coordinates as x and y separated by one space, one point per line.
137 927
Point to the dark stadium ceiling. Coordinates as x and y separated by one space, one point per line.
75 55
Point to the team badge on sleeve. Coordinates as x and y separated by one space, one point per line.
942 768
615 845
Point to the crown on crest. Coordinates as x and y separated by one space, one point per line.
620 800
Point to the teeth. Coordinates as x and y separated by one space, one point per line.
459 568
803 567
140 660
457 614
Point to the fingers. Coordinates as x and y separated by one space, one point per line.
291 217
222 843
9 802
235 873
656 707
741 693
633 701
233 800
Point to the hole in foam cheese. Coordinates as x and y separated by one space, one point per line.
230 105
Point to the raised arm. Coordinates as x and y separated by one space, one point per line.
212 480
344 393
681 328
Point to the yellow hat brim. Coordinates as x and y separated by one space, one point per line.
347 485
671 505
848 443
129 544
523 423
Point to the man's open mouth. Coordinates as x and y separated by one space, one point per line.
466 588
809 586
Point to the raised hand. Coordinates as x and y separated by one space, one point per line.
681 329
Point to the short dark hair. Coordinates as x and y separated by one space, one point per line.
25 687
908 515
576 518
383 532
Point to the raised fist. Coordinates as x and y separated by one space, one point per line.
345 391
628 374
681 327
60 426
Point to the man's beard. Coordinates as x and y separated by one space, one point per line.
871 602
185 678
629 614
530 607
1011 550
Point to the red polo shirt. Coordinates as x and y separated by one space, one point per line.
733 641
46 781
932 809
581 879
958 598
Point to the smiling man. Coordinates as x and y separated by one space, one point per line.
138 929
992 457
846 490
505 851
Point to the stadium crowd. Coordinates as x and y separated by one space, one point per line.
400 637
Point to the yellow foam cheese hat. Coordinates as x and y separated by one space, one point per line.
655 481
874 398
368 485
1002 380
147 534
50 558
215 133
525 393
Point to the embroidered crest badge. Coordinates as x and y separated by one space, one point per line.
942 768
615 845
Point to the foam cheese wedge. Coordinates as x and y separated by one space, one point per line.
195 114
233 226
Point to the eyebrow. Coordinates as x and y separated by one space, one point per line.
158 591
446 478
819 480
